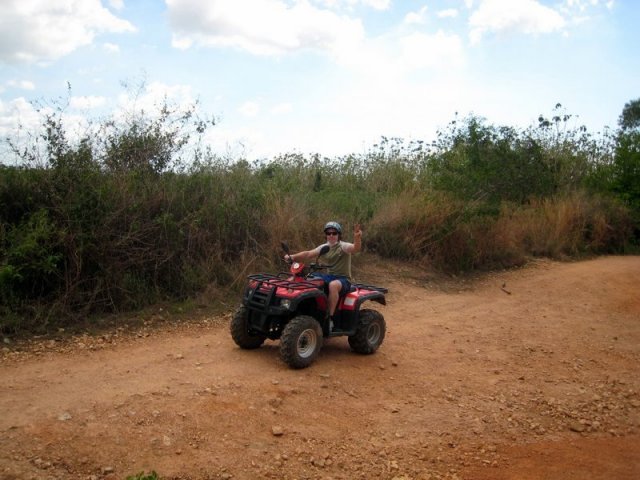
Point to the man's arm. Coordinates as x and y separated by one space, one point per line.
304 255
357 238
356 246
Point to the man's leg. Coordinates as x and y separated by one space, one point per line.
334 294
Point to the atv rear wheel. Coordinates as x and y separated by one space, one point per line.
240 331
370 332
301 341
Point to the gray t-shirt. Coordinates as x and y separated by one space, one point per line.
337 255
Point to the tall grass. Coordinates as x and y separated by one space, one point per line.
102 227
574 224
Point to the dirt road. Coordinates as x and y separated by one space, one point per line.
526 374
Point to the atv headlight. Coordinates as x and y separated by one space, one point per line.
286 303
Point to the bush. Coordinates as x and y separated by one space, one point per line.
135 216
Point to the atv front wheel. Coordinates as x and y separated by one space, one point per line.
240 331
370 332
301 341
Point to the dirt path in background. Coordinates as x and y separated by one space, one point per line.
527 374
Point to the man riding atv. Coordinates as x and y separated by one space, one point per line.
302 307
338 278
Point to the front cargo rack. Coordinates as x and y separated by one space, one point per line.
279 281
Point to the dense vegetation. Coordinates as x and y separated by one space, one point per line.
137 210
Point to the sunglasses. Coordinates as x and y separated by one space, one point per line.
331 233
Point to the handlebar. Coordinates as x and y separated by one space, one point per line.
314 266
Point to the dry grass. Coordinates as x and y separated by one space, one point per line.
448 234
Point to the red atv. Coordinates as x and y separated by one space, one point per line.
292 307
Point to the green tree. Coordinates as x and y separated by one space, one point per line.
625 169
630 117
474 160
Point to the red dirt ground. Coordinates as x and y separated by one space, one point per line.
524 374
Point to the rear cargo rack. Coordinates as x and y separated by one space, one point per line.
363 286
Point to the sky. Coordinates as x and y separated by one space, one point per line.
320 76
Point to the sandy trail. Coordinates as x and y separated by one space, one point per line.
526 374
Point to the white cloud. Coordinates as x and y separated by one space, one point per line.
448 13
111 48
261 27
156 93
18 112
249 109
22 123
42 30
147 99
282 108
352 120
525 16
440 50
388 59
22 84
413 18
350 4
582 5
577 11
87 102
377 4
242 142
116 4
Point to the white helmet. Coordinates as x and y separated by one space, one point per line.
335 225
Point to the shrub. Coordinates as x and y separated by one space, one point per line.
118 221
